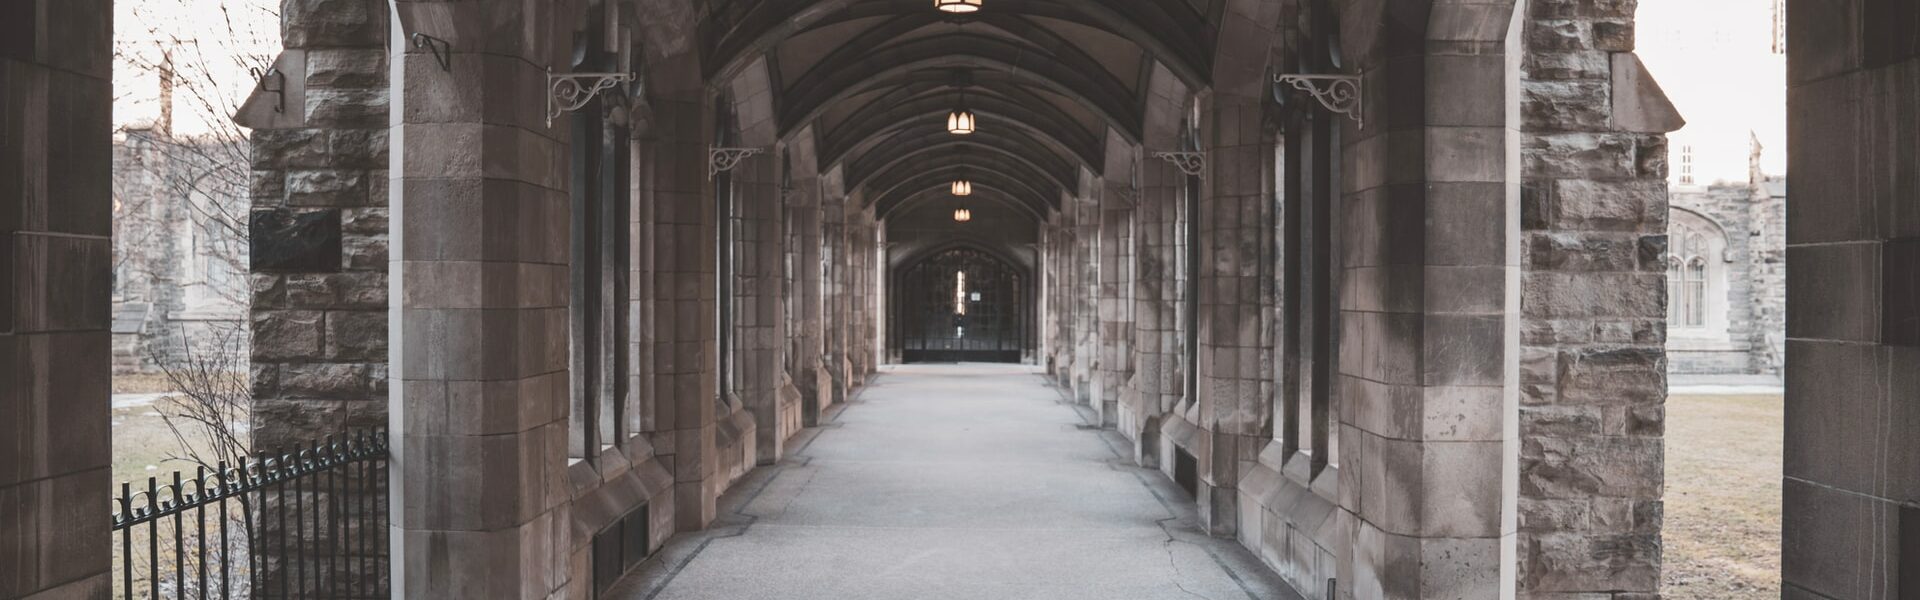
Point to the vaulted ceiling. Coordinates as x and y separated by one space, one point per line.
874 80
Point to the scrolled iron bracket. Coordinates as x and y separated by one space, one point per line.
567 92
723 159
1191 163
1340 94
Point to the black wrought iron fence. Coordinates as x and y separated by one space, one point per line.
310 523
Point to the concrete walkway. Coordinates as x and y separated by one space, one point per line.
961 482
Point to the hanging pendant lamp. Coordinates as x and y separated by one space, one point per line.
962 187
962 215
957 6
961 121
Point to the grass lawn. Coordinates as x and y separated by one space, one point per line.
1723 497
141 383
143 445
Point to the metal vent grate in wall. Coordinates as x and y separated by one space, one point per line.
619 548
1186 471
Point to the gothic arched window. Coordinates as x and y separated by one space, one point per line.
1696 276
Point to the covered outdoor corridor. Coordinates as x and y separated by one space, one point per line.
956 481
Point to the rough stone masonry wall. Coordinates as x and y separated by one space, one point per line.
1729 207
1767 268
319 230
1593 385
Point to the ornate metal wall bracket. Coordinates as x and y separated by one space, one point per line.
442 51
721 160
1191 163
279 93
1341 94
568 92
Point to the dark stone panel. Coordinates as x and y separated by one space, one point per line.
1890 133
79 160
78 35
19 82
284 240
1891 31
16 29
1829 538
1900 292
8 285
1834 401
1823 40
1833 292
1908 587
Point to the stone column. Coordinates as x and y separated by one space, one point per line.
1115 305
1426 247
759 333
56 206
1086 290
1235 336
807 247
1593 381
479 230
1156 384
861 310
834 260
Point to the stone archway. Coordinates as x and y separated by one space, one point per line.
961 304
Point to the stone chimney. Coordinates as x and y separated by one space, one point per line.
163 126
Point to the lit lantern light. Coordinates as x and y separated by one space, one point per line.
961 215
957 6
961 122
963 188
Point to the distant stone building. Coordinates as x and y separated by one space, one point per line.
1726 275
179 275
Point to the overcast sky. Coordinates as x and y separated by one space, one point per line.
1714 58
213 42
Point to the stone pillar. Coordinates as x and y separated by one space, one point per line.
684 387
1115 305
479 231
1235 335
1086 289
318 228
56 206
759 333
1426 247
861 314
1058 250
1593 380
1851 528
806 326
834 260
1156 384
